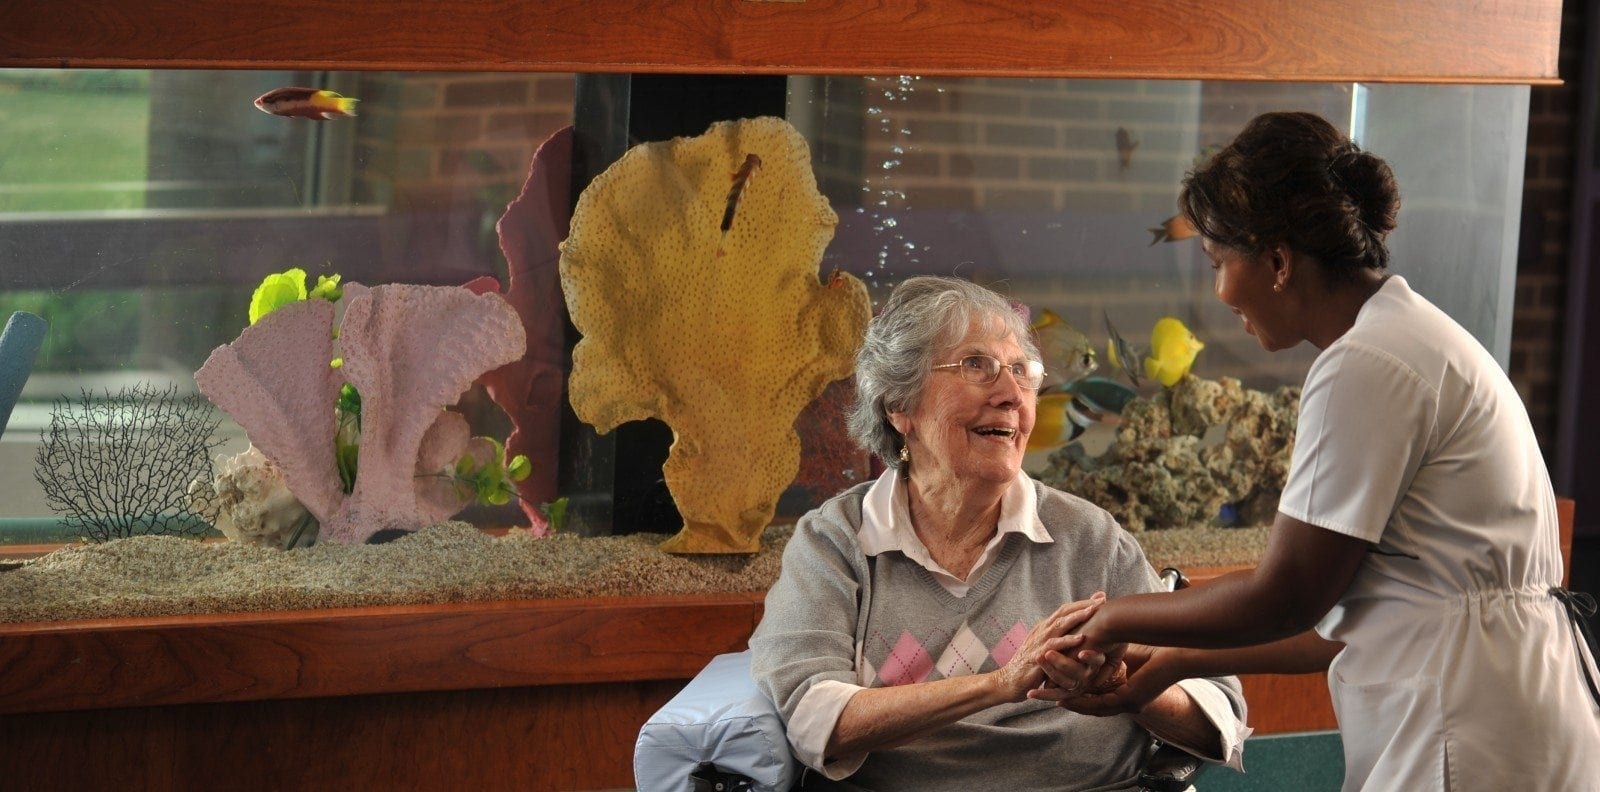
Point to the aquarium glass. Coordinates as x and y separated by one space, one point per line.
139 209
1054 192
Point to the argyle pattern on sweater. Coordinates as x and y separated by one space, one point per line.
908 658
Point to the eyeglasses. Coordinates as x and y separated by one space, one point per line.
985 369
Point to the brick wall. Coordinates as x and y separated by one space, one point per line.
1542 257
443 136
1090 164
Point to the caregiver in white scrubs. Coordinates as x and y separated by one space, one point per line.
1417 531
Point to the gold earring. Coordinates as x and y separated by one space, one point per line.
1277 287
905 454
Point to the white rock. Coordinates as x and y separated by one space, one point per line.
252 503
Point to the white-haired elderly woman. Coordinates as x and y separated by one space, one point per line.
903 638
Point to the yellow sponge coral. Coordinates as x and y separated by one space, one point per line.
691 270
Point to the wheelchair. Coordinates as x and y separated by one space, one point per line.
722 734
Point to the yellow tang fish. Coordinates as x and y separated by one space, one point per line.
1172 351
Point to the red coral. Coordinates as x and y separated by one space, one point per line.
530 389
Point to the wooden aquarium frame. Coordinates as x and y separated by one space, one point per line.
1424 41
549 694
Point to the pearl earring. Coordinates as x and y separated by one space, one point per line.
1277 287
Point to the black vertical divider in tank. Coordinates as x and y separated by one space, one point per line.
615 480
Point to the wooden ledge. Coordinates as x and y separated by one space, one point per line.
211 658
140 662
1491 41
109 663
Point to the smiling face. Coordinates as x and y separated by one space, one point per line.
961 433
1244 284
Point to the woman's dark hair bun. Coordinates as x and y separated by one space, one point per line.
1370 183
1293 178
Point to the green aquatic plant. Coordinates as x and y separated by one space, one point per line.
492 482
283 288
555 513
347 435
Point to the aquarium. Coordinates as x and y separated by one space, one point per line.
141 210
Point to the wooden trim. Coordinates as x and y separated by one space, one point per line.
99 664
1429 41
1565 509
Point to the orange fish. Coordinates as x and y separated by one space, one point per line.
1125 146
1173 229
312 103
741 177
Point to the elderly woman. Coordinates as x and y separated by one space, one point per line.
1417 530
902 640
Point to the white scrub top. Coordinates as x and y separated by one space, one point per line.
1460 670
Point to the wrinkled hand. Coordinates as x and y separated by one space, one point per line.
1077 664
1023 672
1149 674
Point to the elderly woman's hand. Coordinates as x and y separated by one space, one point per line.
1023 672
1147 675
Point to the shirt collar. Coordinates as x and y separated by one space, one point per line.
886 517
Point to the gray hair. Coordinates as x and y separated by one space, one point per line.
924 317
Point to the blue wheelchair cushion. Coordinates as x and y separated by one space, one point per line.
721 717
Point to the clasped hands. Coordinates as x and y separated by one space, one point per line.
1059 662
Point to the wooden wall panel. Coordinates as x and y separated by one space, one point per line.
246 657
1310 40
562 737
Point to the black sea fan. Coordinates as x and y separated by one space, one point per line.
121 465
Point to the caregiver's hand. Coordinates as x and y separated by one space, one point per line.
1022 673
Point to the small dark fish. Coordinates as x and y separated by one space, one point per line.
312 103
1173 229
741 177
1125 146
1122 354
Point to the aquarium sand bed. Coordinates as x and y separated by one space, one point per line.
450 562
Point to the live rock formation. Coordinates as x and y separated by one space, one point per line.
1184 454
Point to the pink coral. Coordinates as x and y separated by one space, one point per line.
411 351
275 381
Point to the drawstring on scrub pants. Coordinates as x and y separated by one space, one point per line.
1580 607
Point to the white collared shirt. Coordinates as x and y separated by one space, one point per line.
886 525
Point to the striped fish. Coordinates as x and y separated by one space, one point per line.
741 177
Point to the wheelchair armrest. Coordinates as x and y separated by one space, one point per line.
722 719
